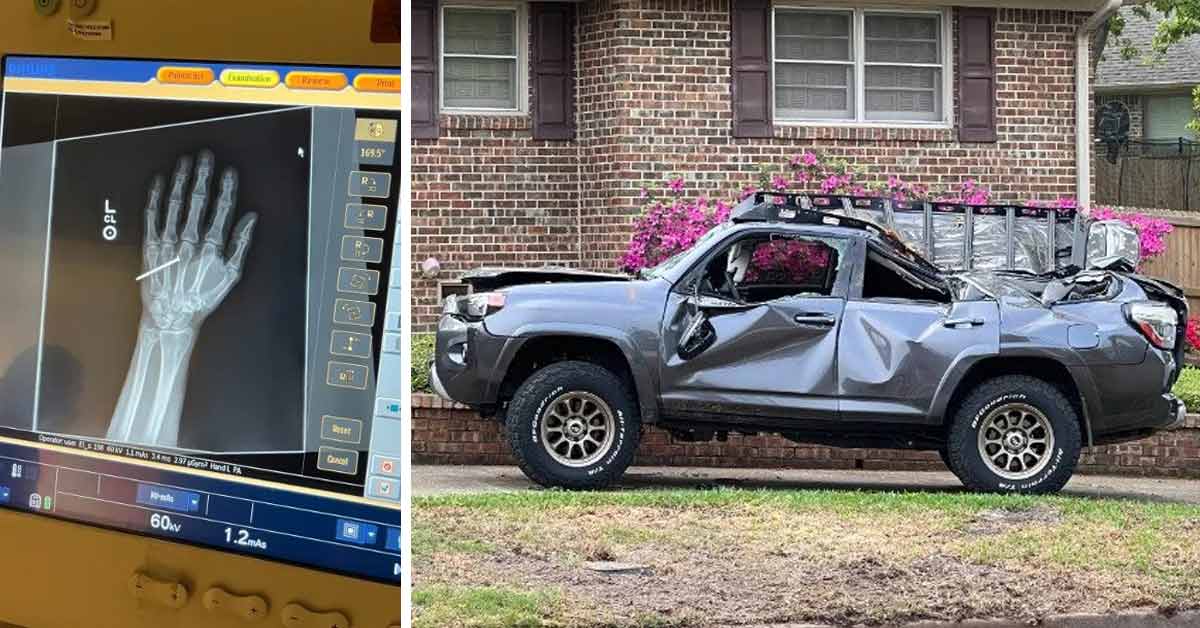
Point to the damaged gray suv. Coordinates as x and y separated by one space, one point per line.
813 324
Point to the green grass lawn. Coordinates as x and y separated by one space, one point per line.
733 557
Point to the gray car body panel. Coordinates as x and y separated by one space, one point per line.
884 362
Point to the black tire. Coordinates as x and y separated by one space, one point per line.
1020 394
529 408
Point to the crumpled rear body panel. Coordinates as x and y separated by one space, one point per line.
894 357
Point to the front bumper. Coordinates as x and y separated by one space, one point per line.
466 367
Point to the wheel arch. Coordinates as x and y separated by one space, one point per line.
598 345
1048 368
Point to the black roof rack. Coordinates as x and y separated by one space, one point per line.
801 209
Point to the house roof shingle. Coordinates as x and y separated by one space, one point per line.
1180 67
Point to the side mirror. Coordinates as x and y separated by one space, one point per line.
1109 241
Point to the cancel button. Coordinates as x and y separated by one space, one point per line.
337 460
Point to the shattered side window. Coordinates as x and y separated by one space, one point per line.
790 261
765 268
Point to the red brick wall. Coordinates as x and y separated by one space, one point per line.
674 116
653 99
443 434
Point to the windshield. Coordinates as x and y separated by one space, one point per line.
673 261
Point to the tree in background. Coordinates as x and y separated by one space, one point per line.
1180 20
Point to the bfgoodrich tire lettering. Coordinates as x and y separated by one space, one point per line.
589 392
1026 426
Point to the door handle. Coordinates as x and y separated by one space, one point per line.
815 319
962 323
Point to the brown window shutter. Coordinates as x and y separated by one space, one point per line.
976 75
553 70
751 64
423 75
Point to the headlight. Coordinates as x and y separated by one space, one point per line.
474 306
1157 322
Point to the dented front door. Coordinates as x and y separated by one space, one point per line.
775 359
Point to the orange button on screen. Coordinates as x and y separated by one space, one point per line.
377 83
185 76
316 80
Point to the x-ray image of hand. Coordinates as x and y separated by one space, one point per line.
185 277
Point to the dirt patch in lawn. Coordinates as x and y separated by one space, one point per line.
999 520
763 562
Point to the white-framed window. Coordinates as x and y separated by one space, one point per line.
1167 117
483 58
861 66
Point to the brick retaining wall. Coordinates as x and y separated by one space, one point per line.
444 433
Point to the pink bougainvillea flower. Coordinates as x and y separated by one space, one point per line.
668 228
829 184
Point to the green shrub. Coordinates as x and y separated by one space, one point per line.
1188 388
422 353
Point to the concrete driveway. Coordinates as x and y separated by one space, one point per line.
438 480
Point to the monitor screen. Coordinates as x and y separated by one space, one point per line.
200 322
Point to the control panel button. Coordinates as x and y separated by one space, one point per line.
389 408
383 488
386 465
370 184
361 249
233 77
356 532
393 540
358 281
366 217
341 429
46 7
344 375
316 80
376 130
350 312
337 460
350 344
168 498
181 75
389 83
